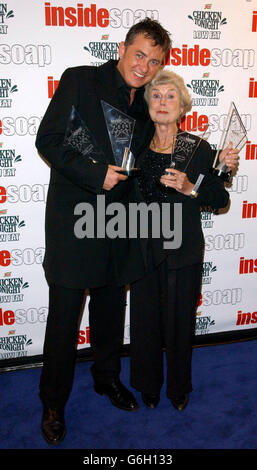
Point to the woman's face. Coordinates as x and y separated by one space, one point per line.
164 104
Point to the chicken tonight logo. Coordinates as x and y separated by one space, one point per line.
207 90
207 219
8 159
11 288
10 226
210 22
6 89
104 49
5 15
203 324
208 269
14 345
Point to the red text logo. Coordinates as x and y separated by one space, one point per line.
80 16
251 151
189 56
249 210
246 318
3 195
194 122
5 258
252 88
247 266
254 22
52 86
7 317
84 336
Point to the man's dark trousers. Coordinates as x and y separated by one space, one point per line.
106 338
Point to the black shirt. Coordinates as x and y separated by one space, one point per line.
138 105
138 109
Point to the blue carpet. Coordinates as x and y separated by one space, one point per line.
221 414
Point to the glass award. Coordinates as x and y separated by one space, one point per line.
120 128
235 133
185 146
79 137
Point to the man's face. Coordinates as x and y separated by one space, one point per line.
140 61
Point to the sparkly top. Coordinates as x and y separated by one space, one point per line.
153 166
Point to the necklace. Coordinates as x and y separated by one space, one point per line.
172 144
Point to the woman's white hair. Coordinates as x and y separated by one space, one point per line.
165 77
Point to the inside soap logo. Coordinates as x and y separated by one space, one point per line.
207 90
104 49
5 15
8 160
92 16
6 91
208 269
210 21
10 225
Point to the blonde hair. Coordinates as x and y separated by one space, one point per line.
164 77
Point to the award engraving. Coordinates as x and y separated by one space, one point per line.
120 128
79 137
185 146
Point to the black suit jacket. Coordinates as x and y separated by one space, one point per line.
86 262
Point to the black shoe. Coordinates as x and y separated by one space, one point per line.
181 402
150 399
119 395
53 425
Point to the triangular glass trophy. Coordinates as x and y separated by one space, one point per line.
184 148
234 132
79 137
120 128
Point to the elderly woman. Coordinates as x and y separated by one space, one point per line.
163 303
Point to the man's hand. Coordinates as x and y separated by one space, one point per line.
230 156
112 177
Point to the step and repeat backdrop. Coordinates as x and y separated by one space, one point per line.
214 49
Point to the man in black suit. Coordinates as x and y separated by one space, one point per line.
74 264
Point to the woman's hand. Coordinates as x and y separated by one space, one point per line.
230 155
177 180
